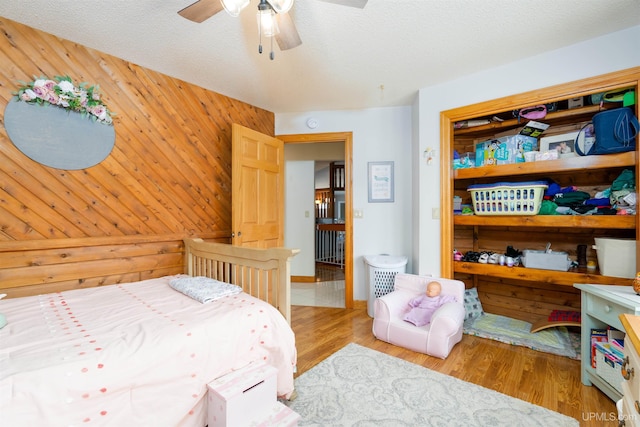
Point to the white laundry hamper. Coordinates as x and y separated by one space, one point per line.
381 274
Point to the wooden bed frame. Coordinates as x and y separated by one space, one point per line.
44 266
262 273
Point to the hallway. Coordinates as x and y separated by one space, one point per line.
326 291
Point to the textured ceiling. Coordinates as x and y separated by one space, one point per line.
350 58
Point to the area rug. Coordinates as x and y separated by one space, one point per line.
357 386
557 340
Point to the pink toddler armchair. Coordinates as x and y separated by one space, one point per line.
436 338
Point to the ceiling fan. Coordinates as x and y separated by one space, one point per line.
273 17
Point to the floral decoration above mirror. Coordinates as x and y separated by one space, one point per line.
61 92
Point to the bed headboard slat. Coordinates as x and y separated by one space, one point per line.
262 273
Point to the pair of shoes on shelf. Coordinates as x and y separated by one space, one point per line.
471 256
484 257
457 255
512 252
488 258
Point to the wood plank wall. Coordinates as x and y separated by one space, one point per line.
168 176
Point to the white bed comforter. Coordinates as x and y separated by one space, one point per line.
135 354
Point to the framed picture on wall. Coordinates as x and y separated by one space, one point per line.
381 182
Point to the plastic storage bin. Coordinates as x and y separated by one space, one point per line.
616 257
381 274
507 198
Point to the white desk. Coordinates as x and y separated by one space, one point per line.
601 307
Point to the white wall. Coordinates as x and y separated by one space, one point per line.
379 134
401 134
322 178
613 52
299 217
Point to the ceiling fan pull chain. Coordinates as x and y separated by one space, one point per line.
272 55
259 36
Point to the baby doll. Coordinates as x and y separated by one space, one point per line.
423 306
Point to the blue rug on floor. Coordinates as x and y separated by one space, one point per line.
557 340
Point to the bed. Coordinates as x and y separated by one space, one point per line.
141 353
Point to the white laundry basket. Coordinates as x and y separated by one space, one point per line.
381 274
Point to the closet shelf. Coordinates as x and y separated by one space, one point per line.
536 275
558 117
613 222
570 164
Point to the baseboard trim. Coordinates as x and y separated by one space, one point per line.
360 304
303 279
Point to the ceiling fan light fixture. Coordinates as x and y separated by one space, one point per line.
267 24
281 6
234 7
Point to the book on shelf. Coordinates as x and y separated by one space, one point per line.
609 353
617 345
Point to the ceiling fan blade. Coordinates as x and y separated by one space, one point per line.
201 10
360 4
288 37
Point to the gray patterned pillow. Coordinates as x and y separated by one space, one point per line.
472 304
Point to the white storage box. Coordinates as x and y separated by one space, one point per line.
279 415
242 396
616 257
546 260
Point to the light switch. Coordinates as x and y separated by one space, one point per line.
357 213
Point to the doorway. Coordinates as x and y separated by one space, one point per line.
347 139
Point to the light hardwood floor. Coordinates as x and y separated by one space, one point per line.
540 378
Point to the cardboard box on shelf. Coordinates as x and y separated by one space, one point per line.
505 150
575 102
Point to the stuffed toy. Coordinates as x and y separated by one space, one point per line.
422 307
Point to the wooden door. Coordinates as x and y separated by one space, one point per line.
257 189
